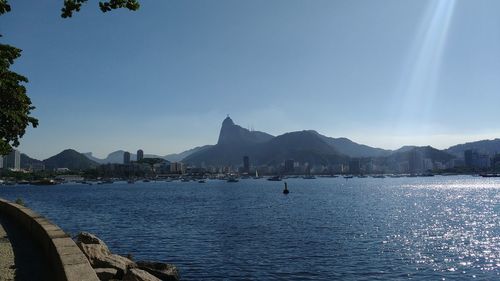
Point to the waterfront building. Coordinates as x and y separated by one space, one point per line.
62 170
416 162
354 167
468 156
36 167
483 161
140 155
474 159
177 168
126 157
289 166
403 167
428 164
454 163
495 162
12 160
246 164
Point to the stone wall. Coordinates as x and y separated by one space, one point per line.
66 259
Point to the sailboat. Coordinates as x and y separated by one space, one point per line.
256 175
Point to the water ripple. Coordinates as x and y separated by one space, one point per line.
326 229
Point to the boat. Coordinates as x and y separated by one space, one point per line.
490 175
275 178
256 175
232 180
44 182
201 181
106 182
130 181
378 176
348 177
309 177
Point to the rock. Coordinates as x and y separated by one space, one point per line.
88 238
109 266
164 271
100 256
135 274
106 274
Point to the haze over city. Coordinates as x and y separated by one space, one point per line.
163 78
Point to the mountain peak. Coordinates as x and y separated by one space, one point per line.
231 133
228 121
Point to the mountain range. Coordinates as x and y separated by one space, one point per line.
234 142
68 158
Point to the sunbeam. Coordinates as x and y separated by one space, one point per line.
420 83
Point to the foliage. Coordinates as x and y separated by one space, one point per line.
71 6
22 176
151 161
15 105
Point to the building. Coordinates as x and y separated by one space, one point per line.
246 164
177 168
140 155
354 167
474 159
416 162
289 166
126 157
495 162
428 165
12 160
1 161
468 156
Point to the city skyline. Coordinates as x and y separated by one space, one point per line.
163 78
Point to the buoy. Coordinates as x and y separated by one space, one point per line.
285 191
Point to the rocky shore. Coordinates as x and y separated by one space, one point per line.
109 266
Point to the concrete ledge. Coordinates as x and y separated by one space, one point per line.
66 259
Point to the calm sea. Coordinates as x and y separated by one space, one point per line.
439 228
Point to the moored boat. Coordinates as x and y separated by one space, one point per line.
44 182
275 178
490 175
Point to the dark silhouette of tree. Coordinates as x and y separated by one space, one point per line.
15 105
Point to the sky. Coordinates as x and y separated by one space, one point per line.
384 73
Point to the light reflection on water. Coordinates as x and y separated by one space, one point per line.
357 229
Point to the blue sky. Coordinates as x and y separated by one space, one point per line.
385 73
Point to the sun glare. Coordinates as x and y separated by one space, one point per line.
420 82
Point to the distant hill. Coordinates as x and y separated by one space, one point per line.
490 147
27 162
405 148
91 157
429 152
70 159
302 146
177 157
264 149
116 157
352 149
